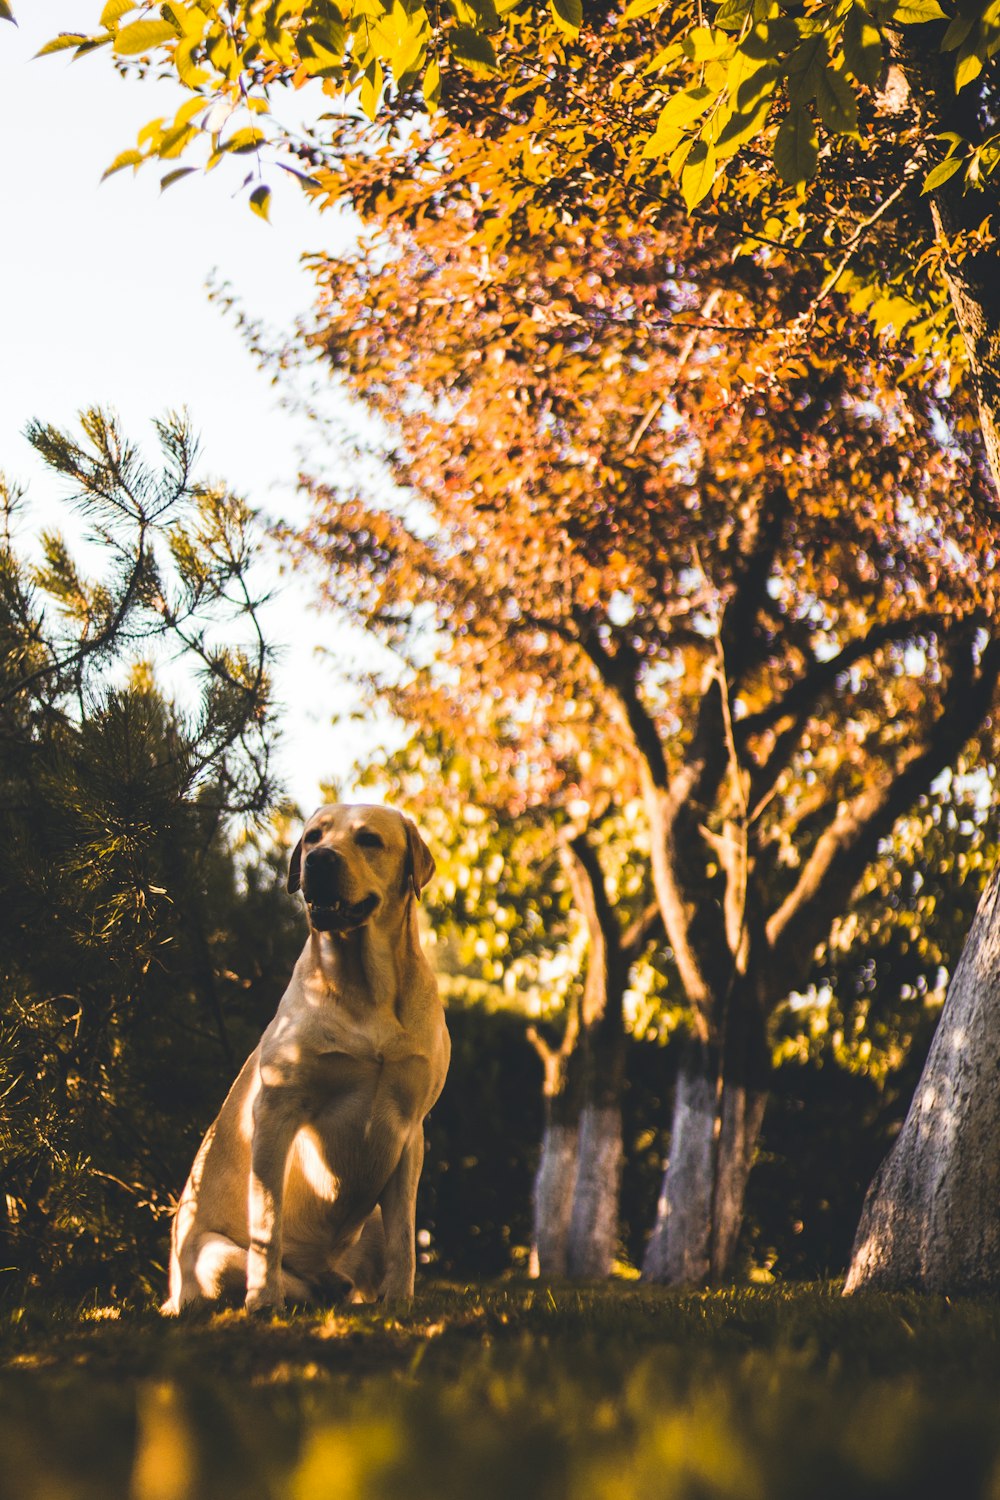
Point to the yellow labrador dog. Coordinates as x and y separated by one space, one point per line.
305 1187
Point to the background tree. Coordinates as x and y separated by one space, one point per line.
141 943
860 138
772 614
524 908
724 105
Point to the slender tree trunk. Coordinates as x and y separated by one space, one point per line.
678 1251
743 1100
555 1179
555 1183
932 1215
719 1106
593 1230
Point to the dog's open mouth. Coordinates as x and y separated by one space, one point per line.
341 916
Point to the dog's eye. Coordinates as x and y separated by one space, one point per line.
369 840
311 837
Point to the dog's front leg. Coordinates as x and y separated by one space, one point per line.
274 1126
399 1215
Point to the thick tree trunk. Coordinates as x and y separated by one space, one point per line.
718 1113
932 1215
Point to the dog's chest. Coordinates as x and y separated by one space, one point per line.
357 1115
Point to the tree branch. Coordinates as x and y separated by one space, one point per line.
850 842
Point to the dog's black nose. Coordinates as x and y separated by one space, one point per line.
321 875
324 855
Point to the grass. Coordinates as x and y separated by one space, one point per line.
618 1393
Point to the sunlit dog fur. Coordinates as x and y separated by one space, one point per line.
305 1186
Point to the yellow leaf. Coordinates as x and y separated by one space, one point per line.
260 202
143 36
114 10
698 175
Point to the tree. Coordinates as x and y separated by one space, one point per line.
509 885
138 946
771 615
726 106
860 138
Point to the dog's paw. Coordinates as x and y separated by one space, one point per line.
263 1300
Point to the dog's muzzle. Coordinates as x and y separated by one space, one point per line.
340 916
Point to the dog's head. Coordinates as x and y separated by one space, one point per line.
354 864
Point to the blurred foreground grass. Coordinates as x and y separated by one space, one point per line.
510 1394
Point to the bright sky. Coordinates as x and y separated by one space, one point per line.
103 302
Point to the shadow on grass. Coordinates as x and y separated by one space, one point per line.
601 1394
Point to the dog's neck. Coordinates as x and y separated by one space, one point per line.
370 961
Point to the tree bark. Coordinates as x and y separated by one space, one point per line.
555 1183
593 1230
931 1219
719 1105
678 1251
555 1179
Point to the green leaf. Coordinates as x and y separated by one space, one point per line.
472 49
260 202
143 36
732 13
481 15
172 177
966 69
916 12
941 173
432 84
678 114
372 84
957 33
641 8
568 14
61 43
684 107
698 174
863 47
796 149
838 108
743 126
704 44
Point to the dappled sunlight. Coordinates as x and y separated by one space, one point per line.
500 1393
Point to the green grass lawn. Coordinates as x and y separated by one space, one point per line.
512 1393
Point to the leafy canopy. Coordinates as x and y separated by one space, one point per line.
823 130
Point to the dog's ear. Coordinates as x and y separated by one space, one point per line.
419 859
295 868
